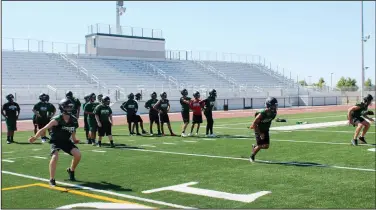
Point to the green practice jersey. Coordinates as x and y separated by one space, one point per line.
103 112
44 109
360 112
266 119
63 131
150 104
184 106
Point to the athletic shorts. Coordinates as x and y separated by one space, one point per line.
93 126
42 122
185 116
197 119
11 124
163 118
66 146
266 139
139 119
34 120
153 117
106 129
132 118
357 120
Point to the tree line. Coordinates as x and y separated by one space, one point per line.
343 83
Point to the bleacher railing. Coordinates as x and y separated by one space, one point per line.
125 31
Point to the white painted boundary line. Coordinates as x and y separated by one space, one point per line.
101 191
9 161
246 159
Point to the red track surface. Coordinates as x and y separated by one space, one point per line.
26 125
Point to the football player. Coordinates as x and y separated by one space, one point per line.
208 112
184 110
196 106
356 115
64 128
91 121
77 104
153 113
131 108
86 125
10 110
163 107
103 115
99 98
261 126
138 117
43 112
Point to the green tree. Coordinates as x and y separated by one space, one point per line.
368 83
321 82
348 83
303 83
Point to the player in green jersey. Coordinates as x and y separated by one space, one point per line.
63 128
10 111
356 116
261 126
77 104
184 102
103 115
100 97
43 112
131 108
86 125
208 112
91 121
153 113
138 117
163 107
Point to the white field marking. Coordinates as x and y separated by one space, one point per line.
372 149
101 191
98 151
9 161
39 157
36 149
130 140
328 131
189 141
147 145
208 139
246 159
103 205
313 125
8 152
289 119
185 188
168 143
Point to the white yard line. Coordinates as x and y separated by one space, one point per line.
101 191
246 159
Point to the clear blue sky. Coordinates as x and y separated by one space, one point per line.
306 38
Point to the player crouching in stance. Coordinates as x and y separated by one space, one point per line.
63 128
262 124
103 116
138 117
163 107
355 116
153 113
184 101
10 111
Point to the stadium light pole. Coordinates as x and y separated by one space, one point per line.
364 39
331 80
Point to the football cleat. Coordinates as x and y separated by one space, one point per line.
363 140
354 142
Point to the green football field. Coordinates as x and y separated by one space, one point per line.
309 168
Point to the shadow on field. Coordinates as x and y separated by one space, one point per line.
120 146
235 136
293 163
101 185
26 143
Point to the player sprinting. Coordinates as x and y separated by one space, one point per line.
43 112
138 117
261 126
91 121
209 103
86 125
356 115
131 107
153 113
196 106
163 107
10 110
184 110
63 128
103 116
76 102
